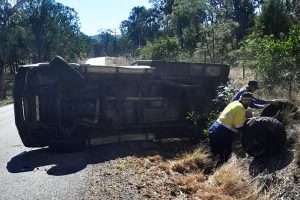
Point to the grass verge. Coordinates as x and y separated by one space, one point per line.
6 101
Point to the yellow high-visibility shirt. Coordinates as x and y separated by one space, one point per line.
233 116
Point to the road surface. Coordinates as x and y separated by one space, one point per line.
96 61
36 173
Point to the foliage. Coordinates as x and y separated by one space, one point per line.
161 49
246 54
278 60
217 42
225 93
106 45
141 26
243 14
193 117
8 44
40 29
185 22
35 31
274 19
293 10
54 28
272 48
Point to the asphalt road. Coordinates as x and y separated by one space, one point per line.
36 173
96 61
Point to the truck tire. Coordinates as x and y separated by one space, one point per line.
67 145
276 110
265 137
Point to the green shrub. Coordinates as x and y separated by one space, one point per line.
160 49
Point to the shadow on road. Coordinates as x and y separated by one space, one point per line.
63 164
43 159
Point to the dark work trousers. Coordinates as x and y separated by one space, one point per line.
220 139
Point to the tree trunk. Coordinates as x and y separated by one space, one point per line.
2 86
213 48
2 81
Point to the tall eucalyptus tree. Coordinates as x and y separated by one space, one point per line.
55 29
141 26
7 23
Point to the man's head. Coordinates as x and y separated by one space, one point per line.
246 99
252 85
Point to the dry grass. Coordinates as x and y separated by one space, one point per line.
199 159
154 177
190 183
156 158
117 61
236 76
229 182
294 133
278 93
234 181
296 97
166 167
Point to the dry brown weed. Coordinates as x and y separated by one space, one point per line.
197 160
234 181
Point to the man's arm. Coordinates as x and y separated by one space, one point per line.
254 105
237 95
258 103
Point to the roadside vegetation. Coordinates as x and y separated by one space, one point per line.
6 101
9 83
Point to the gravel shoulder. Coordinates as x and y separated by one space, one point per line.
132 170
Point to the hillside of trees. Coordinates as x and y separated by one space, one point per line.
263 35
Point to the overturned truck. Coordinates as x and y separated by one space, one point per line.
68 106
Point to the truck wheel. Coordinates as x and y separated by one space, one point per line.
67 145
276 110
265 137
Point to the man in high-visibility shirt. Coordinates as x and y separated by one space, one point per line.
230 120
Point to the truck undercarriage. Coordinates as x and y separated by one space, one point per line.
67 106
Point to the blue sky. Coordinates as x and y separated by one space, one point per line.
102 14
